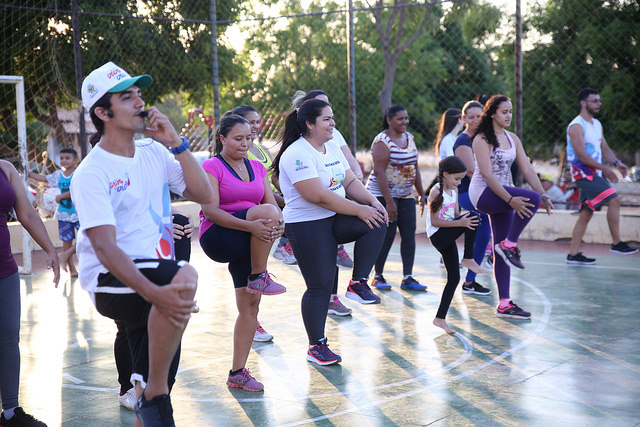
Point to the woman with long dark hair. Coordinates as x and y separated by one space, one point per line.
448 128
491 191
239 227
395 174
315 179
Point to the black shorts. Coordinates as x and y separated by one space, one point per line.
116 301
595 191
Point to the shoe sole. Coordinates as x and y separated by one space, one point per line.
312 359
613 251
257 292
344 267
230 384
337 313
472 292
513 316
382 287
581 262
294 262
262 339
356 297
506 259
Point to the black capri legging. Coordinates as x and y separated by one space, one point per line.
230 246
314 244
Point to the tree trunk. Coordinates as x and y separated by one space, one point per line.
386 94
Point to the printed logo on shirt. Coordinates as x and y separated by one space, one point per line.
300 166
335 182
120 184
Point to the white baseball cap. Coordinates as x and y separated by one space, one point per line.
109 78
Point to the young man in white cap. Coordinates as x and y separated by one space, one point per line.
121 194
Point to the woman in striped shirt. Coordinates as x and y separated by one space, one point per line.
395 174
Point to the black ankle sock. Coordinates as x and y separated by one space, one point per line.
235 372
254 276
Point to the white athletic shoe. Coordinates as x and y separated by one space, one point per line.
128 400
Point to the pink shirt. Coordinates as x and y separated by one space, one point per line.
234 193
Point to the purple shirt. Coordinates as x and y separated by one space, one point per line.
234 193
8 265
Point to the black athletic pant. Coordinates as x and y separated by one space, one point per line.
314 244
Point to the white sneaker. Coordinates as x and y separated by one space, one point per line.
261 335
128 400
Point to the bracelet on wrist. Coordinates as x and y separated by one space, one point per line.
616 162
180 148
509 202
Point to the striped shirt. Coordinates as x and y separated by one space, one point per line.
401 169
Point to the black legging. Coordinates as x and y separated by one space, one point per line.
314 244
406 223
444 240
121 349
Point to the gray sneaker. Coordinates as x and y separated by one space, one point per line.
342 259
337 308
155 412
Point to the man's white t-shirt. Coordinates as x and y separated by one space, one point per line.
300 162
130 193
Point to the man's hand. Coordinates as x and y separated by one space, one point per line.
161 128
169 301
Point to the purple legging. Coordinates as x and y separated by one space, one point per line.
505 224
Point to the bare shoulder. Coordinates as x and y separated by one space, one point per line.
513 136
7 168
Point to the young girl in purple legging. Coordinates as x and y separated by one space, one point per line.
491 191
445 225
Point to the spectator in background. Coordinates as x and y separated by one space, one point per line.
65 212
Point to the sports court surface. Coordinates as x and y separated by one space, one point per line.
575 363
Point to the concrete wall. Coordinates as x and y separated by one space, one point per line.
558 225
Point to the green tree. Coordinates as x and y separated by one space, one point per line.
169 40
582 43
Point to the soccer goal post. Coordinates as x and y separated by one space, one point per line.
18 81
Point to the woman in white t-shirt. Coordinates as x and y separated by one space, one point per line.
449 127
315 180
342 259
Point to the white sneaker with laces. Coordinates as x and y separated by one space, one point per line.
128 400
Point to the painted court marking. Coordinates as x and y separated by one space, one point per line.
466 354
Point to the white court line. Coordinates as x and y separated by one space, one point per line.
555 264
541 326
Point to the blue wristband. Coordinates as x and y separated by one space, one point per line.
182 147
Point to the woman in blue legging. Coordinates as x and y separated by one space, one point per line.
471 112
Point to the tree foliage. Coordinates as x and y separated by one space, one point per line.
171 41
582 43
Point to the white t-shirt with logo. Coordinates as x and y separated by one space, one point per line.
300 162
130 193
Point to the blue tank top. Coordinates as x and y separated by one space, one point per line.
463 140
8 265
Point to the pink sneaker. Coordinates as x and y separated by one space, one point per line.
245 381
261 335
264 285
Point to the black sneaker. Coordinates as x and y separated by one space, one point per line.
361 292
510 255
488 263
512 311
579 258
156 412
623 249
475 288
20 419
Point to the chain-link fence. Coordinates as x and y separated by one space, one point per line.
427 56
